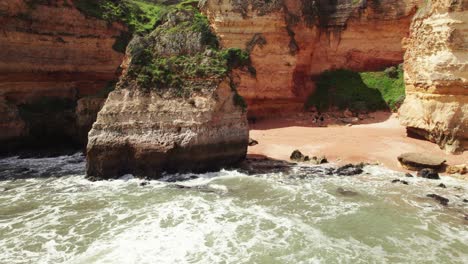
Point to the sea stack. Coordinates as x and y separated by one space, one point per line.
175 108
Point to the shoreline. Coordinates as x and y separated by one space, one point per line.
378 138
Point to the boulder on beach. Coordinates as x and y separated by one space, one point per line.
296 155
457 169
319 160
417 161
252 142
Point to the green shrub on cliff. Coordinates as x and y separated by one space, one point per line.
140 16
168 72
182 55
358 91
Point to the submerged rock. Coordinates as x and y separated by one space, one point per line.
145 183
429 174
200 188
400 181
346 192
417 161
442 200
442 185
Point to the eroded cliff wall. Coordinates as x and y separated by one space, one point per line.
293 41
436 75
49 49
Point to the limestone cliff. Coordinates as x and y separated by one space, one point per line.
436 67
292 41
175 108
51 51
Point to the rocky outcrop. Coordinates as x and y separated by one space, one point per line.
417 161
49 49
293 41
175 108
436 75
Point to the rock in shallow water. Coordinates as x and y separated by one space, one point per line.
429 174
349 170
442 200
400 181
346 192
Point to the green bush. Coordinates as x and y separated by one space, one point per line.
366 91
202 25
236 58
140 16
239 101
167 72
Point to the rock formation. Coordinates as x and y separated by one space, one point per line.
56 60
293 41
50 50
436 75
417 161
175 108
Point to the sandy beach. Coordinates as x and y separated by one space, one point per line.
378 139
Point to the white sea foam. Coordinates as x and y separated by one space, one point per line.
229 217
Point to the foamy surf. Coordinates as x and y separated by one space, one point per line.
226 217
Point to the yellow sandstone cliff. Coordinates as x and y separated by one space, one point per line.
436 75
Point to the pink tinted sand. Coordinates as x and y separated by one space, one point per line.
381 139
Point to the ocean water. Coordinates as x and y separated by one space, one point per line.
49 213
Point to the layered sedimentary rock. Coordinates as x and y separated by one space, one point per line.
436 75
175 108
293 41
48 49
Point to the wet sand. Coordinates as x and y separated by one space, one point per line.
379 139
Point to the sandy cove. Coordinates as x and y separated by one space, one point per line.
378 139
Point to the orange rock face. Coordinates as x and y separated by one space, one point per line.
52 50
304 38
